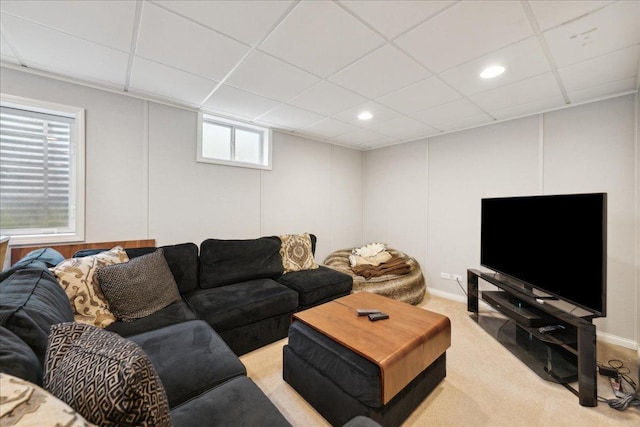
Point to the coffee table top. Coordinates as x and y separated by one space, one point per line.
397 344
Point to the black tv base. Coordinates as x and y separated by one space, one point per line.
568 354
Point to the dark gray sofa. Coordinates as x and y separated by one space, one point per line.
234 299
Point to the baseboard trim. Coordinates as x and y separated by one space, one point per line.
601 336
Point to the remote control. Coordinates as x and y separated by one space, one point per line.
378 316
366 312
545 329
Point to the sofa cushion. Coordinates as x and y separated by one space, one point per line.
17 358
238 402
183 262
317 286
297 253
189 358
176 312
140 287
224 262
356 375
227 307
31 300
77 276
108 379
25 404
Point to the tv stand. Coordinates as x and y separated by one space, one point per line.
577 338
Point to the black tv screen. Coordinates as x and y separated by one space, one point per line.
557 244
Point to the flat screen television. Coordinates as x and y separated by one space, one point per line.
556 244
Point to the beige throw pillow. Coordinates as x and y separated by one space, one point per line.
77 276
296 252
27 405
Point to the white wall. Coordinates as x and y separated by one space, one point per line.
143 180
588 148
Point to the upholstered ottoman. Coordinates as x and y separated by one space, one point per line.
342 380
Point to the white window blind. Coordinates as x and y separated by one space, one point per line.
37 194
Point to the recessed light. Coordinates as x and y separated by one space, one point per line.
491 72
365 115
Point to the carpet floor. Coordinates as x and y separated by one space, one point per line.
485 384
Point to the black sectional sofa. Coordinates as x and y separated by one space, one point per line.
234 298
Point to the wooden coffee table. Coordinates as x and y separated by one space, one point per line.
402 346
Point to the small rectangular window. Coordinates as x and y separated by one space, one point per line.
41 171
226 142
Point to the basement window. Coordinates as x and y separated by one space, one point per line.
41 171
227 142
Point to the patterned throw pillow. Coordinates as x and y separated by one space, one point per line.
25 404
108 379
296 252
139 287
77 276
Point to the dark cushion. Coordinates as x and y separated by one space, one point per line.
183 262
31 300
238 402
230 306
356 375
190 358
177 312
17 358
223 262
140 287
319 285
108 379
40 258
131 252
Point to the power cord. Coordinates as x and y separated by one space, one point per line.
461 287
618 376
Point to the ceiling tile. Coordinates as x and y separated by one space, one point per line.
247 21
467 122
153 78
612 67
328 128
50 50
270 77
522 92
608 89
291 117
419 96
403 128
543 104
172 40
447 113
320 37
522 60
380 114
606 30
237 102
6 52
363 138
382 71
109 23
465 31
392 18
552 13
327 98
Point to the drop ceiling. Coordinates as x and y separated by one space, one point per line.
310 67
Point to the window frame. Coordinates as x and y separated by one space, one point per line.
77 173
266 145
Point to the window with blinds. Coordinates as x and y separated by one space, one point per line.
38 174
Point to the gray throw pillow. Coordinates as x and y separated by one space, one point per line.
107 379
139 287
